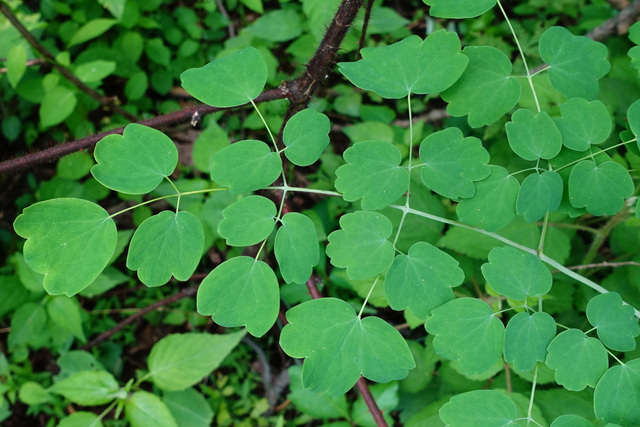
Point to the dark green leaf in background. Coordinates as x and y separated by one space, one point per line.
539 194
189 408
277 26
91 30
479 408
318 405
616 323
296 248
601 188
306 135
533 136
57 105
248 221
583 123
459 9
526 339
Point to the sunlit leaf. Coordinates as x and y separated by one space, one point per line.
539 194
479 408
296 248
306 135
583 123
526 339
601 188
618 393
88 388
533 136
616 323
248 221
144 409
459 9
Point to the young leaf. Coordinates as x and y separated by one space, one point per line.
228 82
618 393
467 331
189 408
411 65
58 233
146 409
516 274
88 388
179 361
422 280
615 321
452 164
166 244
494 204
241 292
136 161
248 221
533 136
459 9
578 360
479 408
306 135
485 91
601 188
296 248
526 339
373 173
583 123
361 246
575 62
245 166
539 194
339 346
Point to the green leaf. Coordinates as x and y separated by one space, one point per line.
526 339
466 330
145 409
57 105
241 292
583 123
571 421
296 248
166 244
340 346
411 65
276 26
88 388
459 9
601 188
373 173
479 408
533 136
75 165
485 91
179 361
452 163
32 393
90 30
16 64
306 135
65 314
422 280
58 233
516 274
135 162
27 324
95 71
189 408
575 62
494 204
361 246
539 194
633 116
615 321
81 419
228 82
317 405
245 166
248 221
578 360
618 393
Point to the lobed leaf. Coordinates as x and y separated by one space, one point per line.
583 123
616 324
601 188
539 194
296 248
479 408
533 136
306 135
526 339
339 346
248 221
617 394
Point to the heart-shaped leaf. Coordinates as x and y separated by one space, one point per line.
617 395
248 221
306 135
459 9
539 194
583 123
616 324
526 339
533 136
601 188
296 248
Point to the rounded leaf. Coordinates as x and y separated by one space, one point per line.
539 194
583 123
296 248
533 136
615 321
248 221
459 9
601 188
526 339
617 395
306 135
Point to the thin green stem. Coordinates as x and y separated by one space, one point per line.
591 155
614 356
273 140
188 193
364 304
541 70
104 413
177 192
533 393
406 202
543 234
305 190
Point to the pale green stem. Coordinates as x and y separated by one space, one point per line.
177 192
543 234
533 393
188 193
590 156
406 202
364 304
305 190
614 356
273 140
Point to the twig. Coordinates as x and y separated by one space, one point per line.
365 24
619 4
619 24
30 63
602 264
223 12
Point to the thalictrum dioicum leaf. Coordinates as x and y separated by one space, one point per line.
633 116
339 346
539 194
373 173
306 135
479 408
601 188
58 233
248 221
317 405
166 244
459 9
533 136
583 123
616 323
136 161
296 248
526 339
571 420
228 82
617 394
452 164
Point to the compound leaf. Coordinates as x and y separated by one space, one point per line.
306 135
339 346
373 173
179 361
245 166
88 388
539 194
479 408
583 123
422 280
361 246
616 324
526 339
166 244
241 292
601 188
58 233
516 274
136 161
485 91
618 393
578 360
296 248
248 221
575 62
466 330
452 163
494 204
146 409
228 82
411 65
533 135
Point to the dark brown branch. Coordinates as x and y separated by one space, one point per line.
617 25
365 24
